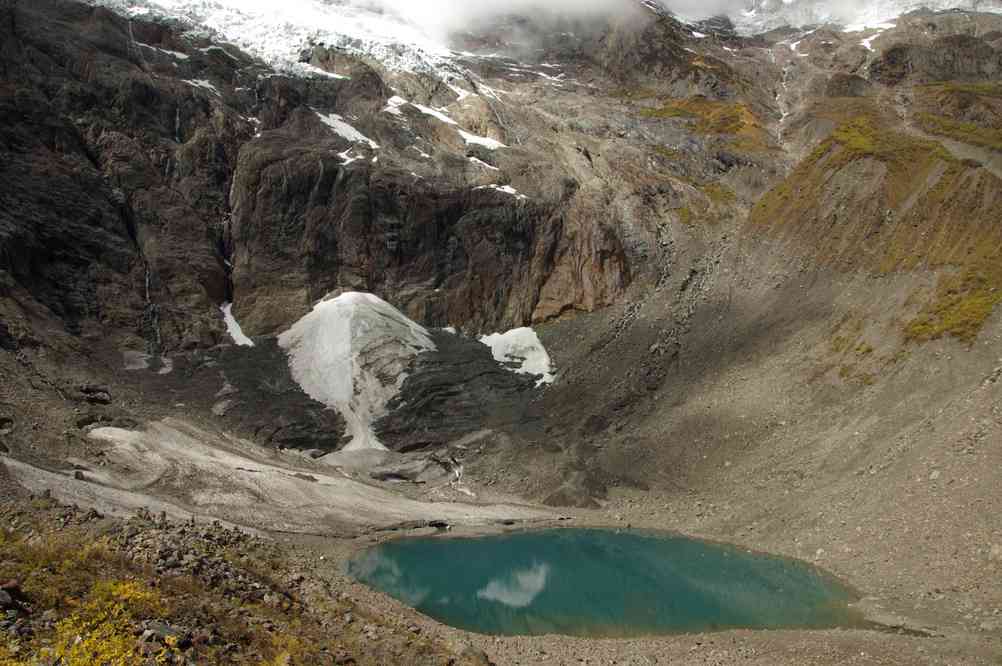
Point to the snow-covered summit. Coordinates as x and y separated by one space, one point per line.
855 15
277 32
351 353
403 38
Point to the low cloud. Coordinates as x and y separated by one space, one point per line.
439 17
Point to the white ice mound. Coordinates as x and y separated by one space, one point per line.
351 353
522 352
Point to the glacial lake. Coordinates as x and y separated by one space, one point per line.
602 583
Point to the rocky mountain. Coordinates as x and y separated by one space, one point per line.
321 272
760 16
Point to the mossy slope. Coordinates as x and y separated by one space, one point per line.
876 198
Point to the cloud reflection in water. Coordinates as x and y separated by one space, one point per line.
519 588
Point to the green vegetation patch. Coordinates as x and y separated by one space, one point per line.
961 305
932 212
867 137
908 160
983 89
718 194
714 117
965 132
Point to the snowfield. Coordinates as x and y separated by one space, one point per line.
344 129
276 32
406 38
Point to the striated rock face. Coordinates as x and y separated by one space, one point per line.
955 57
453 257
456 390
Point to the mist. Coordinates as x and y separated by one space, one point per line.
440 17
437 18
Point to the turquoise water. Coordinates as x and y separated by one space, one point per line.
590 582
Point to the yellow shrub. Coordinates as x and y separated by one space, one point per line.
100 631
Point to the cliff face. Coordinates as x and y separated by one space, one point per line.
168 194
117 179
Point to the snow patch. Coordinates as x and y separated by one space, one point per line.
204 85
173 54
485 165
344 130
393 105
435 113
233 326
521 351
507 189
881 29
764 15
341 353
313 69
461 94
347 158
490 144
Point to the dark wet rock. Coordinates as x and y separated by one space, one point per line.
847 85
729 160
149 195
454 391
97 395
272 408
7 340
12 597
718 26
